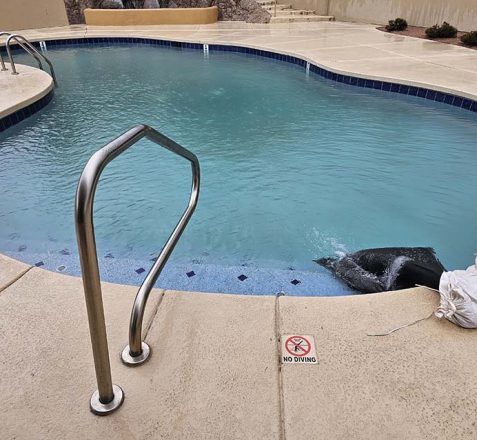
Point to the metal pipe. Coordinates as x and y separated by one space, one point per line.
25 48
138 351
40 54
29 48
108 397
134 353
2 63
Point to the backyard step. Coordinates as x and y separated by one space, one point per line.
284 13
271 8
287 12
301 18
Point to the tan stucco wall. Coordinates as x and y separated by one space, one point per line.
27 14
124 17
460 13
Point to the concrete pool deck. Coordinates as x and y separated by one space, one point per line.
215 372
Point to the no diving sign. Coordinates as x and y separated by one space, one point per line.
298 349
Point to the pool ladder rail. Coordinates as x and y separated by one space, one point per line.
21 41
108 397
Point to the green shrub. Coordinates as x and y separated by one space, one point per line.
469 39
444 31
399 24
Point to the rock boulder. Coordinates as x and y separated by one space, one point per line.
232 10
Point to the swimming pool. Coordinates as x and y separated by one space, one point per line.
294 167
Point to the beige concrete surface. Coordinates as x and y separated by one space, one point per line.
19 91
213 372
417 383
24 14
10 271
139 17
46 363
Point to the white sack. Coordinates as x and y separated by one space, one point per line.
458 290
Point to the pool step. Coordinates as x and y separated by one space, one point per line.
284 13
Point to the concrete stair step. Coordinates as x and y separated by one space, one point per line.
300 18
271 8
288 12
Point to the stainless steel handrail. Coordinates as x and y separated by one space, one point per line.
2 63
138 351
30 49
25 48
109 397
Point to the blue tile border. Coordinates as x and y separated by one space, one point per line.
242 279
25 112
429 94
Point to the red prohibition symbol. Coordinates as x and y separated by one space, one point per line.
298 345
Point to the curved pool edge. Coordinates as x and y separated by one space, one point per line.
388 83
24 94
11 270
195 276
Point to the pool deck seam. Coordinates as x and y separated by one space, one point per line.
15 279
154 314
281 397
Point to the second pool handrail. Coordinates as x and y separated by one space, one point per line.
31 50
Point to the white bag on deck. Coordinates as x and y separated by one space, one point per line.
458 290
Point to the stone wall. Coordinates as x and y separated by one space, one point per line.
236 10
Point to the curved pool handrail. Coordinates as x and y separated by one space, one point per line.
109 397
2 62
31 50
25 47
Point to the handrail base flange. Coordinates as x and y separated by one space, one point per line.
103 409
133 361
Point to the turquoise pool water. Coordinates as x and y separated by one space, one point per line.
294 167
